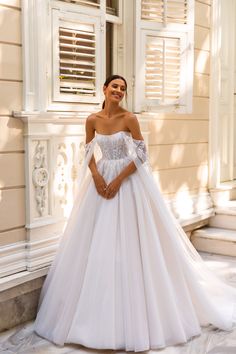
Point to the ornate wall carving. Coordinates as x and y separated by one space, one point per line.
40 177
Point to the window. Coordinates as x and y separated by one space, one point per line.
162 69
165 12
164 53
82 47
76 58
74 44
109 48
112 7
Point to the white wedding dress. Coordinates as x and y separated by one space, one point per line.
125 275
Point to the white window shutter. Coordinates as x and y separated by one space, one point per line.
93 3
165 11
164 52
76 58
162 74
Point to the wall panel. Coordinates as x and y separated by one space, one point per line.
11 134
12 208
10 19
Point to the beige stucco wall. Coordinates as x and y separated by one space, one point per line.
179 142
12 200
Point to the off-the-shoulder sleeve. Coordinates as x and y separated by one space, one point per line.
137 151
83 168
89 150
140 151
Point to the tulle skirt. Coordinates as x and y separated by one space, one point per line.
123 278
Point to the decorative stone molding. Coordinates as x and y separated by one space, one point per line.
61 187
40 176
40 254
12 258
54 145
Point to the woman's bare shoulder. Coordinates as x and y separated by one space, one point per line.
129 114
91 117
130 117
133 125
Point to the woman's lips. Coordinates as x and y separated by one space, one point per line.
116 95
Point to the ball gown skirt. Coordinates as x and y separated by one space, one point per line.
125 275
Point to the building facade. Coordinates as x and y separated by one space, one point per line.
179 60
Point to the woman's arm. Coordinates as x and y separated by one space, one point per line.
99 181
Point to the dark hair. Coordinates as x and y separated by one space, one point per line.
111 78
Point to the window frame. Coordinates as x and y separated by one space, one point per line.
186 32
69 18
38 57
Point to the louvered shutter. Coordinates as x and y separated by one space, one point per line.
76 58
165 11
162 69
164 52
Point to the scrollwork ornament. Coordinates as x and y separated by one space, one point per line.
39 157
40 177
40 197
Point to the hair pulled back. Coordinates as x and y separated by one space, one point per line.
111 78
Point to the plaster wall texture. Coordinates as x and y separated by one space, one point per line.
12 183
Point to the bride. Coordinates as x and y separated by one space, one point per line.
125 275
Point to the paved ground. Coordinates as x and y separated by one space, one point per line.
22 339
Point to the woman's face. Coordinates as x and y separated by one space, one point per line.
115 90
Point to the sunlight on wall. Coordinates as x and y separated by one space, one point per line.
177 153
202 61
184 204
202 173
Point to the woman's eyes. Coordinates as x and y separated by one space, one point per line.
122 88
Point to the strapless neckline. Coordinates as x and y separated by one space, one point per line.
119 132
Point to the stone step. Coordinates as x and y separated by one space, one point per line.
215 240
225 217
225 193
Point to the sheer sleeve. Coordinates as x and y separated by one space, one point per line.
140 152
88 152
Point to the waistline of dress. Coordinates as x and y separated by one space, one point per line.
106 159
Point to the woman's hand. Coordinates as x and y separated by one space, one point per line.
100 184
113 187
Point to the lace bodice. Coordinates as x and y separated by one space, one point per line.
113 147
117 146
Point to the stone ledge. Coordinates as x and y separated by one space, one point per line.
14 280
19 303
215 240
196 220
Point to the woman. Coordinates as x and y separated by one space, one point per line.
125 275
